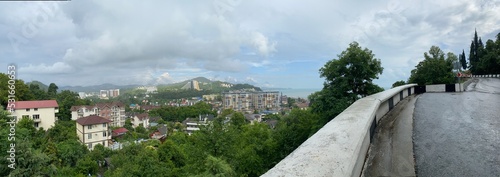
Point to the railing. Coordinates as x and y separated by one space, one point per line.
340 147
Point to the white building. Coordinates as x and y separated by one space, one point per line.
114 111
43 112
248 101
93 130
139 119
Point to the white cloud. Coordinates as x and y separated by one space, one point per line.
93 42
56 68
263 45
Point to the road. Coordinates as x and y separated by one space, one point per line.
458 134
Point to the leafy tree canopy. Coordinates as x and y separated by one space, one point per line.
436 68
347 78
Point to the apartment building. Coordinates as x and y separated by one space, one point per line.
43 112
93 130
248 101
114 111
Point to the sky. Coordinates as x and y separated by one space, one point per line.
280 44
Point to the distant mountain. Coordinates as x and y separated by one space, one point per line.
96 88
40 85
204 84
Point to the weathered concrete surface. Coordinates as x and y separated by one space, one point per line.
458 134
391 153
340 147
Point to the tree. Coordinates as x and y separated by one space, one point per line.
347 79
476 52
66 99
398 83
434 69
52 91
38 93
463 62
238 119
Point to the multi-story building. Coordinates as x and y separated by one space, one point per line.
43 112
93 130
114 93
266 100
238 101
249 101
114 111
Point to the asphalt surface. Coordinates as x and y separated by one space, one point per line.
458 134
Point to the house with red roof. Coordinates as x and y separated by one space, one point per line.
119 132
93 130
42 112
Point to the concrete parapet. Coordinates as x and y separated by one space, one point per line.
340 147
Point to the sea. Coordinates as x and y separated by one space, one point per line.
296 93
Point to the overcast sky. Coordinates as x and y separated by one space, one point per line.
266 43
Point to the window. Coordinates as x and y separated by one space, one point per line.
104 134
103 125
36 109
89 145
28 110
36 124
36 116
89 127
89 136
26 116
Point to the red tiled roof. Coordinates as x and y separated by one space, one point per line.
91 120
36 104
120 130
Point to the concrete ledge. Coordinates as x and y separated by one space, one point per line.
340 147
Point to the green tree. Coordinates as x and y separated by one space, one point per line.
128 125
398 83
87 166
476 51
434 69
238 119
66 99
347 79
463 62
70 151
490 60
52 91
38 93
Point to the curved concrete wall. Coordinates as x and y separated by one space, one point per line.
340 147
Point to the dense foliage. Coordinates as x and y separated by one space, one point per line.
436 68
347 79
484 59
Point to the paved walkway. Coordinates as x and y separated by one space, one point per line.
391 153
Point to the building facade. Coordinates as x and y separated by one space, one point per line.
249 101
140 119
114 111
93 130
42 112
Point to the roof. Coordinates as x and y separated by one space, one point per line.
98 105
120 130
142 116
91 120
36 104
251 117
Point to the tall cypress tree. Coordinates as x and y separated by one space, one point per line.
462 60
